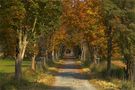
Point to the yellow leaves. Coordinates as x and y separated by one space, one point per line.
86 70
45 79
57 38
105 85
119 64
91 12
84 17
53 69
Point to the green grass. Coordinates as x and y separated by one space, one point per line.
29 81
8 66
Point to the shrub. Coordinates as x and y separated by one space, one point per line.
127 85
118 73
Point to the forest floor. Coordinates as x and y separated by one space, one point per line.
70 77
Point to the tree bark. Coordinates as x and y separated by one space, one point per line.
53 55
57 55
33 66
20 50
95 56
33 62
44 64
130 70
18 69
93 53
109 50
85 52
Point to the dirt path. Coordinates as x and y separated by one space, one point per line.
70 77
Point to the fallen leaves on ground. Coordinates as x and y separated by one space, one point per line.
104 85
45 79
53 69
60 62
86 70
119 64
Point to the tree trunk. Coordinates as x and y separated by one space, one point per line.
82 54
18 69
53 55
18 64
93 54
44 64
109 50
33 62
33 67
134 69
95 57
130 67
21 48
57 55
85 52
20 51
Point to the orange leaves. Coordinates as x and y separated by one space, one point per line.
80 19
83 16
58 37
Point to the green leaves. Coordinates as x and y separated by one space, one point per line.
12 12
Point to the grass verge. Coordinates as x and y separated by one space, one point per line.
98 78
31 80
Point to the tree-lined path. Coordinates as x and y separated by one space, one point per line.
71 77
35 35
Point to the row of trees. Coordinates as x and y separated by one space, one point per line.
29 20
101 28
96 28
119 21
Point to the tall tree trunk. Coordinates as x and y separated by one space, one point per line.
21 48
134 69
109 50
95 57
33 62
82 54
130 68
18 69
93 54
129 58
85 52
44 64
20 51
130 62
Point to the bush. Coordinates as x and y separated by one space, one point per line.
8 84
127 85
99 68
8 87
118 73
86 63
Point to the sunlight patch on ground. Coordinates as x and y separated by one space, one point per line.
53 69
45 79
86 70
104 85
78 62
60 62
119 64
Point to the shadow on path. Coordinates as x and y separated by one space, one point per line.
71 77
59 88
